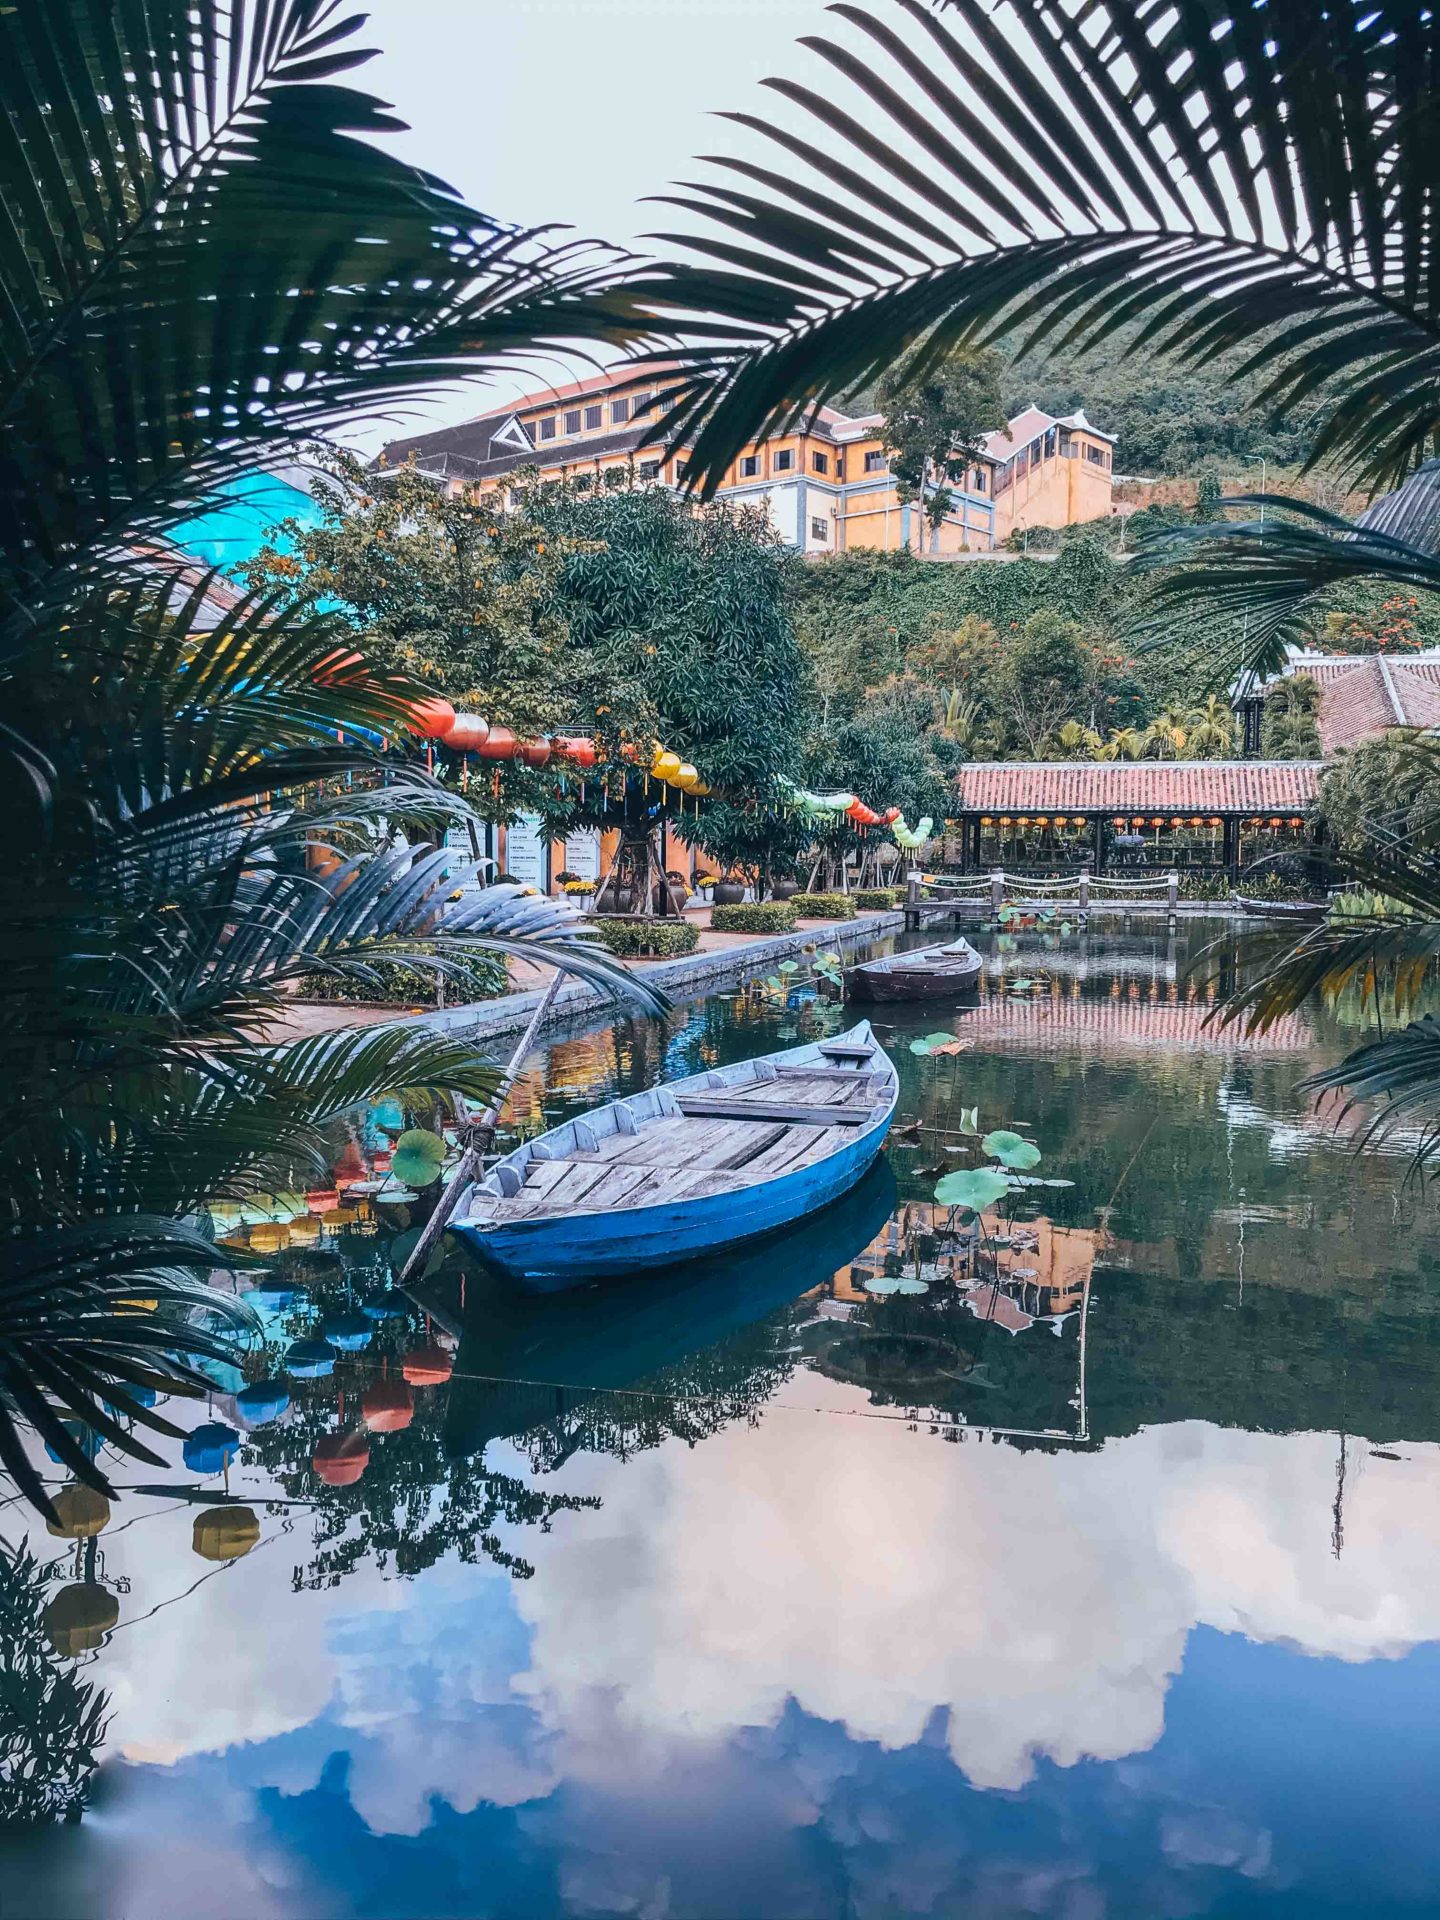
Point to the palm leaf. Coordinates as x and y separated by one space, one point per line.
1237 181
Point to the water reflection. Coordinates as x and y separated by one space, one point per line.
869 1573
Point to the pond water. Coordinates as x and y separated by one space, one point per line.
1105 1582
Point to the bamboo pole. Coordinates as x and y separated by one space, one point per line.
482 1134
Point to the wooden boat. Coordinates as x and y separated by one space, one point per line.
526 1363
925 973
1308 913
686 1169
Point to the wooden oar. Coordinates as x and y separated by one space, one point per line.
482 1135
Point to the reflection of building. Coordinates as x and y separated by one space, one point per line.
826 484
1126 1021
1043 1273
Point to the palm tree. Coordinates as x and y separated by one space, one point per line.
1123 743
202 265
1167 735
1076 741
1211 729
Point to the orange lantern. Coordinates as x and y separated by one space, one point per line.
1042 819
1077 819
432 719
499 744
388 1406
1275 820
535 753
1156 821
427 1366
987 820
1216 821
1297 823
466 733
579 751
339 1459
1005 820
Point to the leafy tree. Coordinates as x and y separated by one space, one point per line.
1288 726
1211 729
1043 682
52 1722
1371 617
935 420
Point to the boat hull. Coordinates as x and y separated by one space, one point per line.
548 1253
548 1256
943 984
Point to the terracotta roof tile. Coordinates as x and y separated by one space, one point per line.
1138 786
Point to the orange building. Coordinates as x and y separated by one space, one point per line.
827 486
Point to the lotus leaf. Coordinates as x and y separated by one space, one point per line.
418 1158
973 1187
1010 1150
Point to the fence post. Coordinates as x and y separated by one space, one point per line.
997 893
912 899
1172 893
1085 891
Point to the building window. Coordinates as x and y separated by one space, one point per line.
619 412
875 462
819 529
649 469
820 462
546 428
572 421
1098 454
593 418
640 404
784 460
749 466
981 480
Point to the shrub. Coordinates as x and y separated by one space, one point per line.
392 984
877 899
771 916
824 906
645 939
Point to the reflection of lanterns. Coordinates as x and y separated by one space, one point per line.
210 1448
388 1406
270 1297
304 1231
323 1199
225 1533
310 1360
351 1166
80 1511
348 1332
427 1366
262 1402
269 1236
339 1459
79 1617
387 1305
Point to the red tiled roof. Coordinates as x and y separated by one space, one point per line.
1138 786
1363 694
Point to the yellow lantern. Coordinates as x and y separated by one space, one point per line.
987 820
1042 819
686 778
225 1533
1077 819
79 1617
80 1512
1005 820
700 789
665 766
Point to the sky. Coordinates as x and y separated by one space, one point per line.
573 110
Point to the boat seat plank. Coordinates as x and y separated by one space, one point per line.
739 1143
720 1106
846 1050
847 1076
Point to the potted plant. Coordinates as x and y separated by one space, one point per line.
703 883
678 888
784 889
728 892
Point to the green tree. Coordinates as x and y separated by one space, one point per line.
1043 682
936 415
1289 727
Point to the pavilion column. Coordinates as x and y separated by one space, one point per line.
1231 847
1102 842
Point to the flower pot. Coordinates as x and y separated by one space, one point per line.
679 893
728 893
784 889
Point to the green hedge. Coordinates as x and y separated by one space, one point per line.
824 906
877 899
390 983
646 939
771 916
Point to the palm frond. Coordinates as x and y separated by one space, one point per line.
1234 180
1398 1077
207 257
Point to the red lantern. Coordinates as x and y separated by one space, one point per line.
388 1406
500 745
466 733
535 753
890 815
579 751
328 671
351 1166
427 1366
339 1459
432 719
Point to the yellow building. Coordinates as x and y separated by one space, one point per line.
827 486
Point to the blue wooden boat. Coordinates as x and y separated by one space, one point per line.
686 1169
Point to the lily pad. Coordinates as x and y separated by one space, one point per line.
970 1120
973 1187
1010 1150
882 1283
788 967
1037 1180
1005 943
418 1158
930 1042
905 1284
